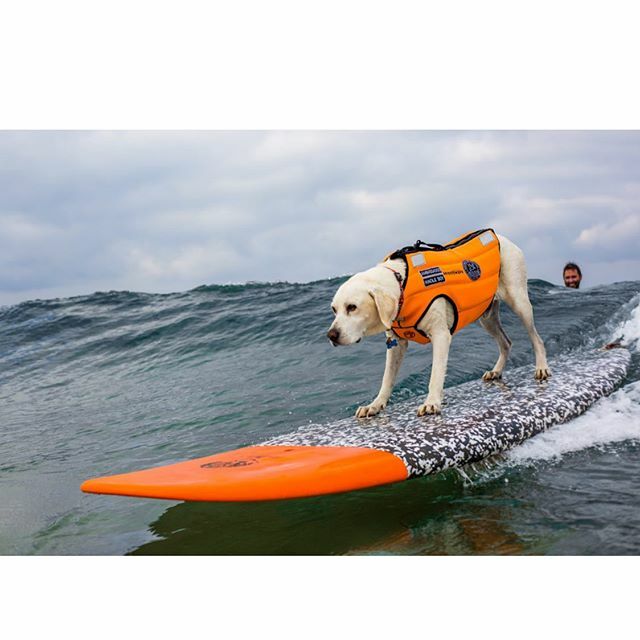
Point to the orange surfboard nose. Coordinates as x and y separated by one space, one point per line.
259 473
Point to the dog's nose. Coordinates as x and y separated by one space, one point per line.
334 335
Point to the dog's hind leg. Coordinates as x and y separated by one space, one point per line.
512 289
523 309
490 321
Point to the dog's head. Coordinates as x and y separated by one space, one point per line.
364 305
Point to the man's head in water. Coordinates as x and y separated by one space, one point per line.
572 275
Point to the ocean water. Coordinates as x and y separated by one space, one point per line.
117 381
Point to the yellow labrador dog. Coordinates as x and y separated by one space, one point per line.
369 302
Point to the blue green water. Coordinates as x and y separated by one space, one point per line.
117 381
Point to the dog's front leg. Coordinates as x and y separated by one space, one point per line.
441 340
395 355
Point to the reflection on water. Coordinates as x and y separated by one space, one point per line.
439 515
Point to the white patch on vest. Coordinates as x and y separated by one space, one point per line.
487 237
417 259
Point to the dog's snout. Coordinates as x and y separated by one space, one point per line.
334 335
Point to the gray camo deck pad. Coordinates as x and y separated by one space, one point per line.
479 419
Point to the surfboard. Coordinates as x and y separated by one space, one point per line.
480 419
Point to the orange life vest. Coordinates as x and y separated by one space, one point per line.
465 272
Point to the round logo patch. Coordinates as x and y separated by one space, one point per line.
472 269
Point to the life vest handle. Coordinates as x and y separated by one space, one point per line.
415 248
427 245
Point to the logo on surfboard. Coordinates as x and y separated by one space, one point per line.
243 462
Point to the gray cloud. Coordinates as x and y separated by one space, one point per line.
166 211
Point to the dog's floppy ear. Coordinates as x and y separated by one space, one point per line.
386 304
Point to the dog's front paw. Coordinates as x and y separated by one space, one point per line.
542 374
370 410
492 375
429 408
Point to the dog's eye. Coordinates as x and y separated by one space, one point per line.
334 310
351 307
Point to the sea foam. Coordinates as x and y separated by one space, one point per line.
610 420
630 329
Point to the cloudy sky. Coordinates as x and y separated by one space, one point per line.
167 211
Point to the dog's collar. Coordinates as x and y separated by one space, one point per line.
400 281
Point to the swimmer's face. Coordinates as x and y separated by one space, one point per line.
572 279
